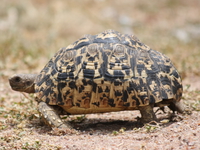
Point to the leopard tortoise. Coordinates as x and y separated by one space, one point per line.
100 73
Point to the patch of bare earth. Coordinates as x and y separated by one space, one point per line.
21 128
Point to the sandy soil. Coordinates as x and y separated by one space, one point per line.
116 130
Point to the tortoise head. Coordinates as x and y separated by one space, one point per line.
23 82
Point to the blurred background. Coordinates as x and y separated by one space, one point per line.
31 31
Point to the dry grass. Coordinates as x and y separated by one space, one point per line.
33 30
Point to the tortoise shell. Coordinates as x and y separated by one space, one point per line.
107 72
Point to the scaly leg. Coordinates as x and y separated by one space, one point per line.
177 106
147 113
51 117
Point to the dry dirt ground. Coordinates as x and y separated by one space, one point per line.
21 127
31 31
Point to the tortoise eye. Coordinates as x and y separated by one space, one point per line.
17 79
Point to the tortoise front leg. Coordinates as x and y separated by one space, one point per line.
147 113
51 117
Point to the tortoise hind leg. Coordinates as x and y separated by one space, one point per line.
147 113
51 117
179 107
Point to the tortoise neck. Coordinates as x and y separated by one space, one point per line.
31 89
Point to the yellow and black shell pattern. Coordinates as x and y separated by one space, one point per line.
106 72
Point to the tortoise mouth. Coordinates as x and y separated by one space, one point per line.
17 88
20 87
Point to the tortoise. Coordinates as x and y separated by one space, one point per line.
101 73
